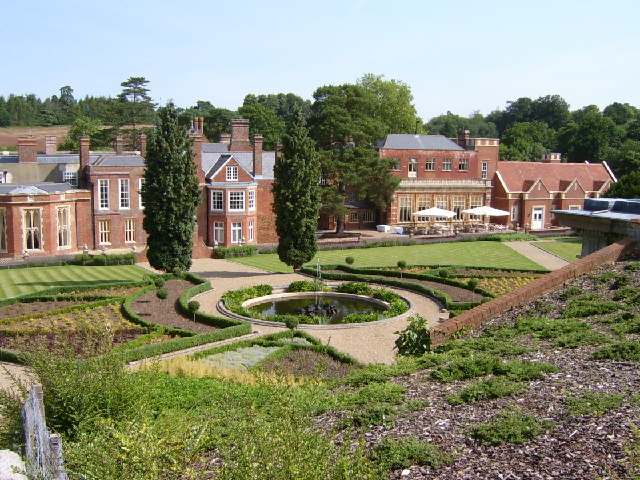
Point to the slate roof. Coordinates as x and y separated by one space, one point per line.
118 161
609 208
519 176
402 141
215 147
34 188
212 161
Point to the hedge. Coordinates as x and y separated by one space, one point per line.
62 311
239 251
243 328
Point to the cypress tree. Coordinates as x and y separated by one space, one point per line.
170 193
296 196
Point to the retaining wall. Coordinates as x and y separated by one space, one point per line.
481 314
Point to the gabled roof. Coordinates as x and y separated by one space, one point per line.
519 176
401 141
213 161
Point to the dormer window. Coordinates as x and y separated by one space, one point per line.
232 174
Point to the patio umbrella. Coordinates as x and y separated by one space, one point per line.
434 212
485 210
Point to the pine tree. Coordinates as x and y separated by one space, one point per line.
296 196
170 194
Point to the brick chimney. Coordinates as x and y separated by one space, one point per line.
119 143
142 144
257 154
240 136
197 159
27 150
551 157
201 125
225 138
50 144
278 150
83 142
463 138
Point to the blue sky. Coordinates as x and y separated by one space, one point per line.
456 56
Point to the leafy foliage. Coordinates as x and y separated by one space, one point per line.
491 388
511 425
415 340
170 193
395 454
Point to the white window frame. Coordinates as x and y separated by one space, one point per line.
514 213
217 195
353 217
232 173
236 232
463 164
140 184
430 165
70 177
129 230
63 219
124 193
413 168
103 194
405 209
235 197
34 230
446 164
218 232
251 200
368 216
251 229
485 170
104 232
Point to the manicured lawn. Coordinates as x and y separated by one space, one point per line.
473 254
567 249
26 280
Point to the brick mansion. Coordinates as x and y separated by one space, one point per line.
54 203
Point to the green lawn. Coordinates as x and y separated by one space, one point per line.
14 282
473 254
567 249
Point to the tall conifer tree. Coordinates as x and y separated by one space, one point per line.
296 196
170 193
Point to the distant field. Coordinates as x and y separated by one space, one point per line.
9 135
473 254
567 249
14 282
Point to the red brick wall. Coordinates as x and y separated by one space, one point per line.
481 314
421 155
266 226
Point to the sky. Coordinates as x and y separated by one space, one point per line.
460 56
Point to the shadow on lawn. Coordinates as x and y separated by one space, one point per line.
77 283
219 274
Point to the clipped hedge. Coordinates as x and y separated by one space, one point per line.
62 311
239 251
242 328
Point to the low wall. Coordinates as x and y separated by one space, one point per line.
478 316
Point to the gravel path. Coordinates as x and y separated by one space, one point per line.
370 344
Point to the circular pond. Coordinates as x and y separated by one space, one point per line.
327 304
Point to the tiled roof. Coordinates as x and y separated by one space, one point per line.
419 142
211 162
520 176
215 147
34 188
118 161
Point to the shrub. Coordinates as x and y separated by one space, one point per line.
415 340
577 308
620 281
481 365
632 266
570 292
371 415
510 426
623 351
465 348
472 283
349 260
193 306
402 264
162 293
158 281
239 251
593 403
496 387
444 273
510 237
355 288
291 322
302 286
577 339
404 452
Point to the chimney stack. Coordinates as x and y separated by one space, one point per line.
463 138
225 138
240 136
142 144
197 159
50 144
278 150
551 157
84 161
257 154
27 150
201 126
119 143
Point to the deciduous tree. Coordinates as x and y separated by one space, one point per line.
170 193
